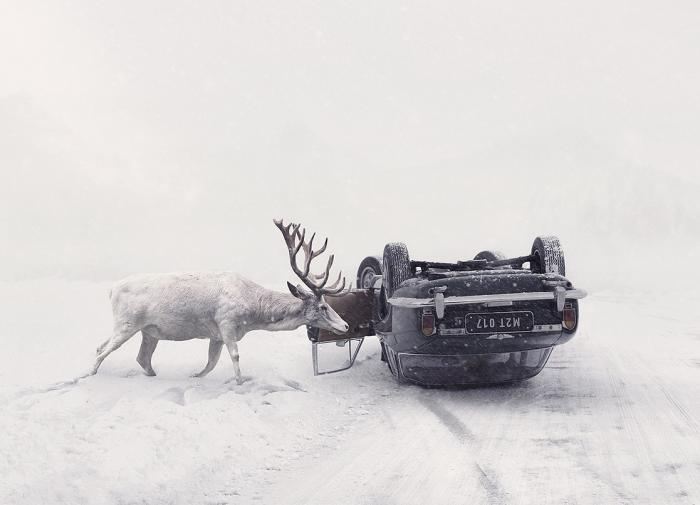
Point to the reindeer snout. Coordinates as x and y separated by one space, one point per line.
341 328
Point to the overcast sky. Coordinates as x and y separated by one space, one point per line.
139 136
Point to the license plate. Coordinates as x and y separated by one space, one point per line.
499 322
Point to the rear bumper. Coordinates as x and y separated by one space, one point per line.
559 294
471 369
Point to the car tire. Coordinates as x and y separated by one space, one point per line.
396 267
548 256
490 256
370 266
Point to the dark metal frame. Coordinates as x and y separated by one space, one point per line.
342 343
470 265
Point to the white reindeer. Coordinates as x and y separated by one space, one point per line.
220 306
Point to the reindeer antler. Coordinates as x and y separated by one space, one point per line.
294 238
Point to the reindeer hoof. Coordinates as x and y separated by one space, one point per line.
147 369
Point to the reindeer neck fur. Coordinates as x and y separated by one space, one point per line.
275 311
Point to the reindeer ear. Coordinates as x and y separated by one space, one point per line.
293 289
300 291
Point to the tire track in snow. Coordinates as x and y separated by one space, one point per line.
658 461
495 493
464 435
447 418
675 404
690 421
633 428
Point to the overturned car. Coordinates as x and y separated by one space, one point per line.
486 320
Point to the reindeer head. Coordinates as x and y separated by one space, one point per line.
317 312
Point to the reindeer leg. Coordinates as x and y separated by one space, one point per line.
232 346
120 336
148 346
101 347
214 354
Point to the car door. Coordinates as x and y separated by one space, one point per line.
355 307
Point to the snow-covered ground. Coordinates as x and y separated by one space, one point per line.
613 418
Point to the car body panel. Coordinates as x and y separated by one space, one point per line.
472 369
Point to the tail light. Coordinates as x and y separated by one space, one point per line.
569 316
428 323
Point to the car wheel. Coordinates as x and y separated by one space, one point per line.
490 256
548 256
396 267
369 267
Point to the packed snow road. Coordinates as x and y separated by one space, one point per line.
613 418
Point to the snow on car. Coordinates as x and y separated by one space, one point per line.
486 320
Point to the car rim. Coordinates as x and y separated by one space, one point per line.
540 264
366 277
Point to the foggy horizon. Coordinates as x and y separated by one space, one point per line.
168 137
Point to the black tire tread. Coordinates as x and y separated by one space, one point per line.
551 255
396 266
